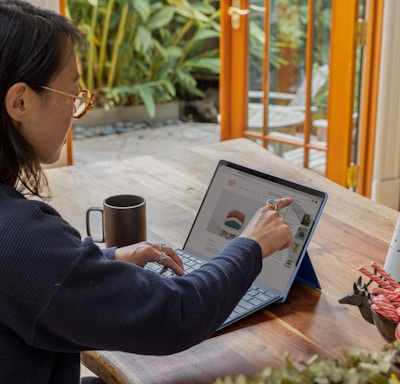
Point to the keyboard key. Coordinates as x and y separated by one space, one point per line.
255 302
245 305
262 297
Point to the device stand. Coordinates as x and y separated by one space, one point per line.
306 273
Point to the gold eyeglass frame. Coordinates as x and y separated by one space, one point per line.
89 101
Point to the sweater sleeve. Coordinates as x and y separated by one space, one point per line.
109 253
63 294
115 305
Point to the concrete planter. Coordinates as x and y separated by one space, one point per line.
132 114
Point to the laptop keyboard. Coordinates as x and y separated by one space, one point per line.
256 297
190 263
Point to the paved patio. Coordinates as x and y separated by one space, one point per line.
145 141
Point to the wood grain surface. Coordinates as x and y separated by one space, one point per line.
352 231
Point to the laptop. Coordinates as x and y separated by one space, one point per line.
234 194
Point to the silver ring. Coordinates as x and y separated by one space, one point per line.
163 256
161 245
273 204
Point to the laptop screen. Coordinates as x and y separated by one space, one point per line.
235 193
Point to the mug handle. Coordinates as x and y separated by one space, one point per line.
88 231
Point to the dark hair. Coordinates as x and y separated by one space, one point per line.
32 42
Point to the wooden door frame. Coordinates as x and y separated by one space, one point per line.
341 87
234 73
70 132
234 82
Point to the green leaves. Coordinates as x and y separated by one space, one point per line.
145 51
143 39
355 367
141 7
160 19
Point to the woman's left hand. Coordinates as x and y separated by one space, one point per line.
145 252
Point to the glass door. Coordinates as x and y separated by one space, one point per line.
299 83
288 79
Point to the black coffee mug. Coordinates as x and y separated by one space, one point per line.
123 220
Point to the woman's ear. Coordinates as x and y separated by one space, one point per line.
15 101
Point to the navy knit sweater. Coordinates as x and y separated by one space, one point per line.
60 295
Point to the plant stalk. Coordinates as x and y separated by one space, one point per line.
118 42
104 41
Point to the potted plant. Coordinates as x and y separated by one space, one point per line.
145 51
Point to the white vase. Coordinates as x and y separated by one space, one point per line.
392 263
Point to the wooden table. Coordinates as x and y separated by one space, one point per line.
353 231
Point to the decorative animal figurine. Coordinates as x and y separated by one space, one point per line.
359 296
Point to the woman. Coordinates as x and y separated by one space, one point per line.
60 295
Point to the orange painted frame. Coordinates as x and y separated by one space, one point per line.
341 89
234 74
233 84
70 132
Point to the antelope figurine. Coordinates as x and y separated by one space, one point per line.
359 296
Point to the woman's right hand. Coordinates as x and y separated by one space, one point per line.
269 229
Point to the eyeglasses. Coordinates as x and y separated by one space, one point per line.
83 100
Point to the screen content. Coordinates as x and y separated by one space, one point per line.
232 199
